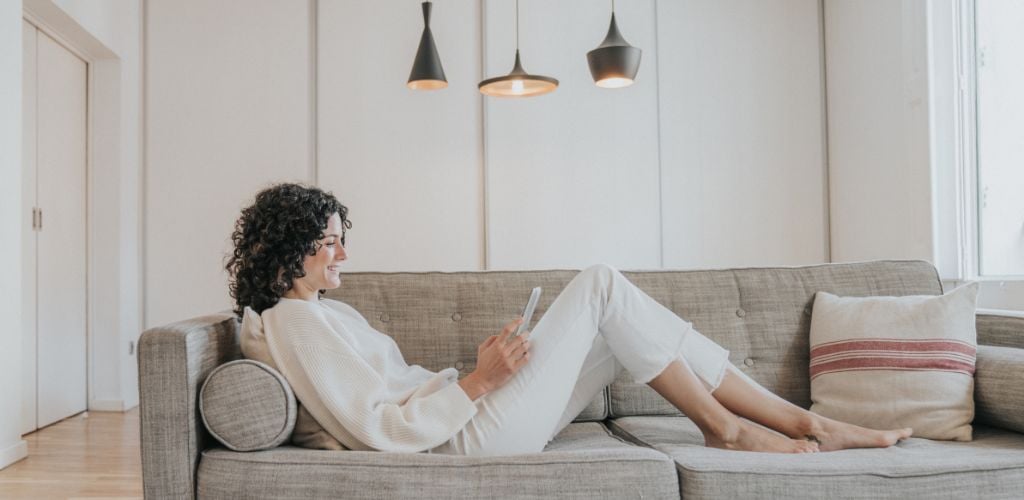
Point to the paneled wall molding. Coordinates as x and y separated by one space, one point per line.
713 158
230 108
742 135
878 130
314 91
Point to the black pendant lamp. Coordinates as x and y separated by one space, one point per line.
518 83
427 73
614 63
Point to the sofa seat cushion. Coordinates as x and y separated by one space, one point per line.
583 461
991 466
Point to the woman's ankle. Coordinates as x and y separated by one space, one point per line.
807 424
726 430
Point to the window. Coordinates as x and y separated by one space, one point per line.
999 127
976 57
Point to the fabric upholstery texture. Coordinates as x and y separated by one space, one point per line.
174 360
991 466
439 318
1003 331
894 362
247 406
584 461
999 387
762 315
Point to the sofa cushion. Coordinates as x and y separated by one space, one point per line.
991 466
893 362
583 461
998 388
763 316
247 405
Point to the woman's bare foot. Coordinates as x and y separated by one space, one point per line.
835 435
749 437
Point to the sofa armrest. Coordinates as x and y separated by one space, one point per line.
999 387
174 360
1000 330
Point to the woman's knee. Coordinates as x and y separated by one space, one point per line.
600 269
597 276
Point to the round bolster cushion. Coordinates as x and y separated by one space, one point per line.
247 406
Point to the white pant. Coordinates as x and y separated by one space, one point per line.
600 324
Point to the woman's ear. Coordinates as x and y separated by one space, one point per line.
280 285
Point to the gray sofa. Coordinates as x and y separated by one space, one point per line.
629 443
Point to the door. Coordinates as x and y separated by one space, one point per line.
60 116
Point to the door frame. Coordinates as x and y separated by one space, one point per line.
103 153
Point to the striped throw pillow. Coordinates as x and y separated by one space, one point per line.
892 362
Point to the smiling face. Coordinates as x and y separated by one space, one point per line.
322 268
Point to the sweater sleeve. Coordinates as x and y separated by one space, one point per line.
353 392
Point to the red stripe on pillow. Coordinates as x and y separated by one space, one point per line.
902 345
890 354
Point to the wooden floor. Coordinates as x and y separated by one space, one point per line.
90 455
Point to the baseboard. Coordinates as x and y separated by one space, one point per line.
13 453
106 405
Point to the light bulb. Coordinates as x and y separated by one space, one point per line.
615 82
517 86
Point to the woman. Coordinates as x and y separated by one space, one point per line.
289 246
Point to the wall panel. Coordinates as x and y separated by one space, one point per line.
228 111
406 163
714 157
572 176
878 128
742 134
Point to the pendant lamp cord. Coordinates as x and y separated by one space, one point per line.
517 25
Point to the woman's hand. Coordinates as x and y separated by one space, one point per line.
498 359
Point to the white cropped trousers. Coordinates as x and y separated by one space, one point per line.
600 324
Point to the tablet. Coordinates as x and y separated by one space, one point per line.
527 313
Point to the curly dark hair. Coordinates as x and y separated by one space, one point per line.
273 237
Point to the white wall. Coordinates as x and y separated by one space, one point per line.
406 164
703 162
878 130
572 176
228 110
12 448
742 133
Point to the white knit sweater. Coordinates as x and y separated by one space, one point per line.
355 382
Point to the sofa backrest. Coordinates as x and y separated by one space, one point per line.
438 319
762 315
